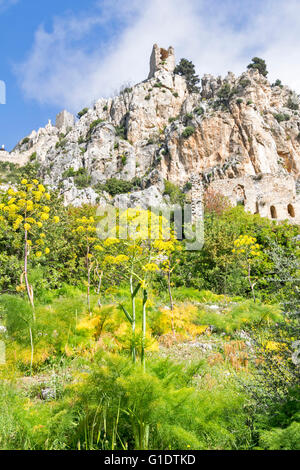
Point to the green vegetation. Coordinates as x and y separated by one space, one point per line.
114 186
82 112
81 177
174 192
186 69
281 117
292 104
188 131
260 65
136 343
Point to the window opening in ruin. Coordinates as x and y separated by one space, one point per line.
291 210
273 212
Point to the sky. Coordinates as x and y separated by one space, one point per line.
65 54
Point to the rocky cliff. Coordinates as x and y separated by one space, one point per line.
240 134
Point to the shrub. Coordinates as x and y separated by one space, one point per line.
26 140
199 111
292 104
82 112
244 82
147 97
258 64
186 69
188 131
174 192
281 117
121 132
114 186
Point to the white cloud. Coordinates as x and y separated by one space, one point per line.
68 67
5 4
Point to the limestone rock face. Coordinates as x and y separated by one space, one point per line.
240 135
150 197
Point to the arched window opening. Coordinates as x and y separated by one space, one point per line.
291 210
273 212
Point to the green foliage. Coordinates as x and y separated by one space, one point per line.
225 94
156 409
240 316
199 111
81 177
278 83
292 104
281 117
114 186
244 82
186 69
121 132
25 141
174 192
258 64
82 112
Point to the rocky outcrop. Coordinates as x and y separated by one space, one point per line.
240 135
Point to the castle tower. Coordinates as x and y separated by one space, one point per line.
64 121
161 59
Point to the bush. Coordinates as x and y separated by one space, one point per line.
281 117
292 104
174 192
82 112
114 186
188 131
199 111
156 409
25 141
278 83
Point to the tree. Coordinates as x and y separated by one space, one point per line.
246 248
258 64
186 69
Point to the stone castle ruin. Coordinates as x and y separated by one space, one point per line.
248 150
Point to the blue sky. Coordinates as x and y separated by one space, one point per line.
67 53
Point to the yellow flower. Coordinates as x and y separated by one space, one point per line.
24 181
38 254
98 248
27 226
47 251
39 224
56 219
44 216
